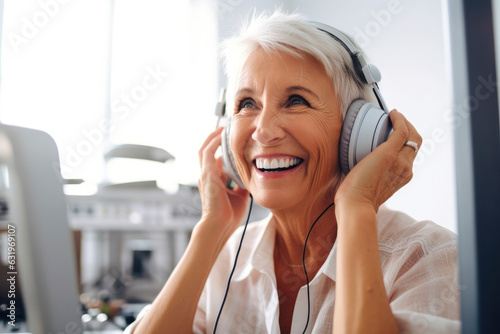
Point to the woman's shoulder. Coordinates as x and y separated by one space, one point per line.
397 230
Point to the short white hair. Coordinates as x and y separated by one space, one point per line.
295 35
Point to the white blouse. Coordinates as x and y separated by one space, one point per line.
418 260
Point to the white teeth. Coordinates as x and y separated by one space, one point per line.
263 163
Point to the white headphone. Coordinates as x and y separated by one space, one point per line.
365 126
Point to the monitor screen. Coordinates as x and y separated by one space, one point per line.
40 254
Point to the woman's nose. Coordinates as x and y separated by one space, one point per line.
268 127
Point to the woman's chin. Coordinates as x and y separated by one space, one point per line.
276 199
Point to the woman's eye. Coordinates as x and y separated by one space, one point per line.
246 104
297 100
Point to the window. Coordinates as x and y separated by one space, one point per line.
99 73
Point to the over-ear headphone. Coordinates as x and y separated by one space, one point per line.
365 126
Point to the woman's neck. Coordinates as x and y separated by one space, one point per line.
292 227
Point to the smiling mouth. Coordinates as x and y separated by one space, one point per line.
274 165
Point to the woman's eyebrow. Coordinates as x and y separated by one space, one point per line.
301 88
248 91
244 91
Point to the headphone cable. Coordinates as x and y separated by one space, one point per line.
234 264
304 265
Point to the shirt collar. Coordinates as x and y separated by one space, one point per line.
329 266
262 256
262 253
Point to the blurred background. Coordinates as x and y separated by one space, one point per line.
128 88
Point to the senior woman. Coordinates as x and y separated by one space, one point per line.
371 270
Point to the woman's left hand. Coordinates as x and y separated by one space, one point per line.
385 170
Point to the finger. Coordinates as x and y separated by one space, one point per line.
400 131
413 143
220 166
207 151
409 150
209 139
207 158
402 154
414 135
408 153
403 132
219 162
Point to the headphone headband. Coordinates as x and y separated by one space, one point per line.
342 39
368 73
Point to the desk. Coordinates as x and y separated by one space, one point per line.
22 328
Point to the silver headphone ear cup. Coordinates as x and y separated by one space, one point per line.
345 136
228 158
365 127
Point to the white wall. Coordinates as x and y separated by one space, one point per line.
405 40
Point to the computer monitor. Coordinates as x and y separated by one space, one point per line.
43 263
477 159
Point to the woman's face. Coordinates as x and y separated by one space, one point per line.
285 129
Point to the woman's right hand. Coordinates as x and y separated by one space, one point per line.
223 208
222 212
